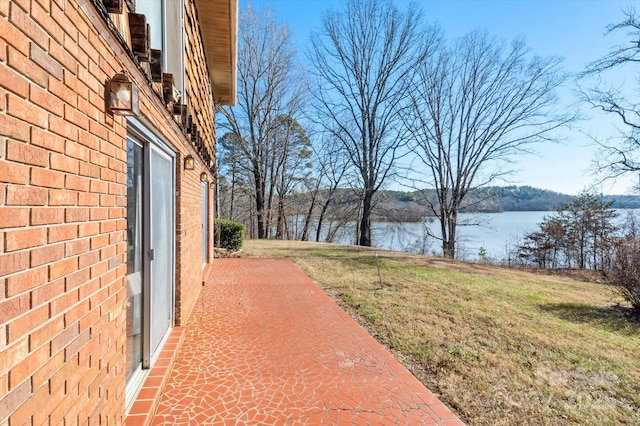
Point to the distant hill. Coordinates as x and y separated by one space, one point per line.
411 206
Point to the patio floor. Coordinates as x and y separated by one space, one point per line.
265 346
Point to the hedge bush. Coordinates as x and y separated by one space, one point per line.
229 234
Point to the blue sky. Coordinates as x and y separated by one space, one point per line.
573 29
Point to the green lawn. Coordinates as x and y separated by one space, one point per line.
499 346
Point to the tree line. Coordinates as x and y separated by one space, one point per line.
380 85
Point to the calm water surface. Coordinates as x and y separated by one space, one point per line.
496 233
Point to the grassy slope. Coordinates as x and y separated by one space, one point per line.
500 346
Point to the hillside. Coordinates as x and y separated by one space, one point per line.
411 206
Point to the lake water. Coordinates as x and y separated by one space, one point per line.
496 234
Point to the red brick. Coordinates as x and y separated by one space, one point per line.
88 82
26 67
14 173
42 375
46 215
62 197
107 226
98 242
73 116
61 18
24 110
78 310
99 269
27 154
47 178
75 150
26 196
32 407
14 37
29 365
85 199
76 247
13 217
25 238
14 399
88 259
63 128
62 268
13 307
73 48
63 302
99 130
107 200
64 163
80 214
64 92
99 158
99 186
46 100
40 12
62 233
76 279
90 141
77 85
13 81
13 262
45 334
47 254
89 170
46 60
24 22
88 229
50 141
28 322
4 7
74 347
44 294
77 183
26 280
99 213
14 128
58 53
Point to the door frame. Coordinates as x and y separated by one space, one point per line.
141 133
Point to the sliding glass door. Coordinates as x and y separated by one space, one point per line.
150 251
161 252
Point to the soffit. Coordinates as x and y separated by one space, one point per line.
219 27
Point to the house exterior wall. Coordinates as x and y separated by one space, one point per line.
63 200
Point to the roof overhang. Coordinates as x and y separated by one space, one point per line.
219 28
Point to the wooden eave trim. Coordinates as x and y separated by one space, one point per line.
218 22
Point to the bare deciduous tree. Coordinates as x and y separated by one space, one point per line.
269 86
621 155
362 60
475 105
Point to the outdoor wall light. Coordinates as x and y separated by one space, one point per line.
122 95
189 162
203 177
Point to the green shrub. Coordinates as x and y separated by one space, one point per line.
228 234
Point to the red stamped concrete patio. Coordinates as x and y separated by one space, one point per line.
265 346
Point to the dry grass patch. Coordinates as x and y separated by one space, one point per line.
500 346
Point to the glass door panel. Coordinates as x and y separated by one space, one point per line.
134 257
161 238
205 214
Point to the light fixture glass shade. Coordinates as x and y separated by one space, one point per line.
203 177
122 95
189 162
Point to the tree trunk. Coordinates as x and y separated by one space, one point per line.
365 222
260 208
280 220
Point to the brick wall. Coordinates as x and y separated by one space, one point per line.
63 218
